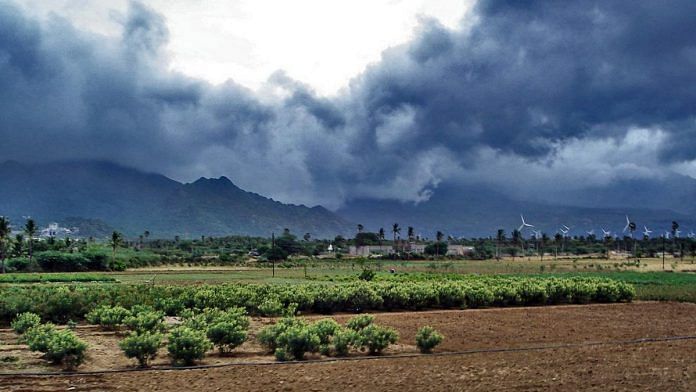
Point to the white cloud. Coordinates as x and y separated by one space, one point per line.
322 43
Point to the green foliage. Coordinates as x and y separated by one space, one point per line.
375 338
342 340
24 321
145 321
64 347
227 335
187 345
108 317
427 338
360 322
271 307
366 275
60 303
141 346
325 329
38 336
54 277
297 340
268 337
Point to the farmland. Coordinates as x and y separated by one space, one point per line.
560 347
520 320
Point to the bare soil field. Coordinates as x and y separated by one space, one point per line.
528 349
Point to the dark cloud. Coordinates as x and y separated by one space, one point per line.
525 87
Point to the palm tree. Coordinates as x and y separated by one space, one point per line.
360 228
30 231
411 233
395 230
380 235
307 237
4 238
116 239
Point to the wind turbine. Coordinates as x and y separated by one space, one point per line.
524 224
630 226
691 234
646 232
590 233
606 233
564 231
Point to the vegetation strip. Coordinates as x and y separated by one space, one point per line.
61 303
360 358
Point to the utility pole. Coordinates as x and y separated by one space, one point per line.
273 251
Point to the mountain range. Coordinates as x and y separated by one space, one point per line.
98 197
133 201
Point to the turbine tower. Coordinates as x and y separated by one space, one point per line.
630 226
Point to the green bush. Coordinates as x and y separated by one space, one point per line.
376 338
187 345
427 338
24 321
342 340
360 322
148 321
108 317
366 275
297 340
271 307
141 346
64 347
38 336
227 335
268 337
325 329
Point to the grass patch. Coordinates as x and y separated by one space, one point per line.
14 278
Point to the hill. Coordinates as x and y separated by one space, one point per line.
133 201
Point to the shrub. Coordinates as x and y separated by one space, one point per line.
376 338
145 322
360 322
186 345
271 307
366 275
65 347
268 337
325 329
108 317
342 340
427 338
38 336
227 335
24 321
298 340
142 346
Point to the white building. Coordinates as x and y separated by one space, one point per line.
55 231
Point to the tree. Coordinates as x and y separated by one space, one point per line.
395 230
116 239
307 237
516 236
360 228
500 238
4 239
380 235
30 230
438 237
411 233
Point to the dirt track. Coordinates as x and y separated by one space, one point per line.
665 365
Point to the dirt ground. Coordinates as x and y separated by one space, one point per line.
667 365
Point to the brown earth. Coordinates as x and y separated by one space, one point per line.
666 365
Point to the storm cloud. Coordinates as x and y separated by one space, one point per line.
522 94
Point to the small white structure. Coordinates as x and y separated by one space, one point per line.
55 231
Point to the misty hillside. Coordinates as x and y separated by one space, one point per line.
134 201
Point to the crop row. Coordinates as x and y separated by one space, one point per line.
60 303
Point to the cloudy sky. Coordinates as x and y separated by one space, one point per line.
321 102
